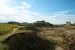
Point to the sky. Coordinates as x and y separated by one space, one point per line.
53 11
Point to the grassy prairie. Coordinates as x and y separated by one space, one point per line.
5 28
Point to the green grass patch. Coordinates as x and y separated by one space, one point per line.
5 28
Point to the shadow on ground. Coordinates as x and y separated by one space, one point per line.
28 41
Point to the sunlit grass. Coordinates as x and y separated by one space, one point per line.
5 28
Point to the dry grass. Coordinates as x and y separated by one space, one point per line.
56 35
62 37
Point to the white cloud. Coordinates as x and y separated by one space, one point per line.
4 1
21 13
2 18
4 8
61 17
26 5
17 13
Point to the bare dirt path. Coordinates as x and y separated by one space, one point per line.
2 38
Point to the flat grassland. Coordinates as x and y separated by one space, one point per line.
5 28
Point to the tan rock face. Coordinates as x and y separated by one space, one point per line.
59 48
65 37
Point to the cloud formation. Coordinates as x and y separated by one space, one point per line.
20 13
62 17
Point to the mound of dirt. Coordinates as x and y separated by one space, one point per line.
28 41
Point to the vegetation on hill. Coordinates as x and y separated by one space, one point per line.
42 24
39 35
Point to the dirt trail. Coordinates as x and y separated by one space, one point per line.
2 38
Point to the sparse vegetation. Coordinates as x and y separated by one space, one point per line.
42 24
31 36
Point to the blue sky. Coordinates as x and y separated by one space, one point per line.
53 11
